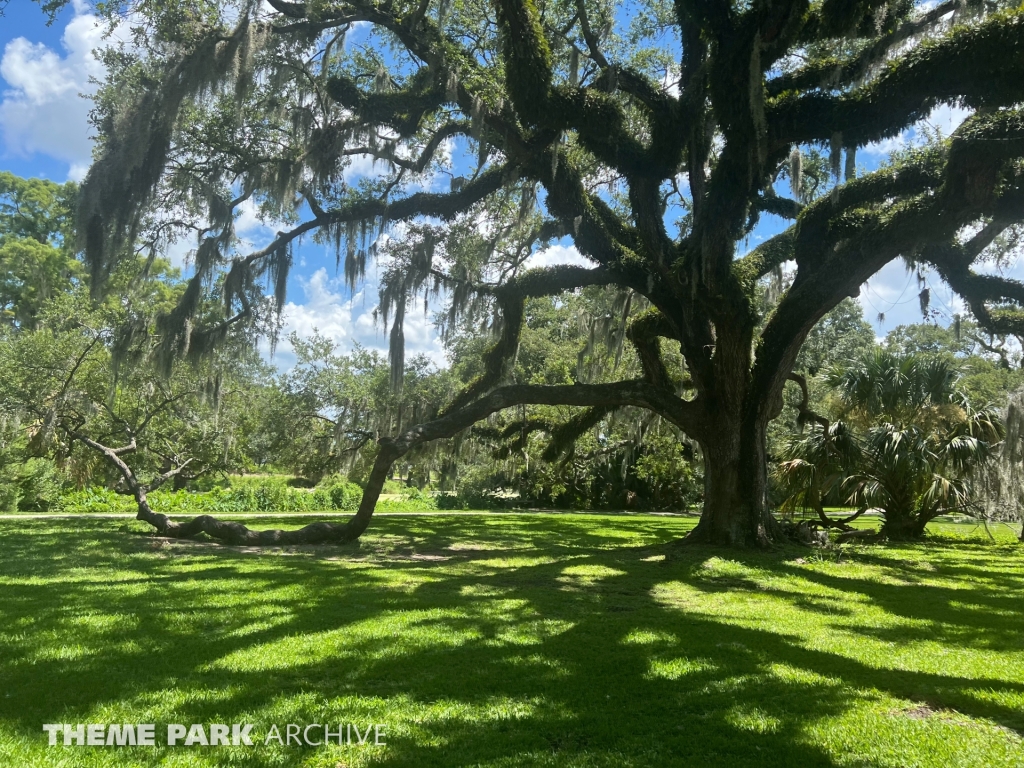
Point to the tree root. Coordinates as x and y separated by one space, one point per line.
227 532
805 532
767 536
862 534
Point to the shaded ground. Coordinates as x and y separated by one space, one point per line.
515 640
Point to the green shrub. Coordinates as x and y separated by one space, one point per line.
9 493
40 484
95 500
344 495
250 494
423 504
10 489
471 500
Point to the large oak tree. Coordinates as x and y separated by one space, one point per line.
653 141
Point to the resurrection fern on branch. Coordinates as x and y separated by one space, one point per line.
652 140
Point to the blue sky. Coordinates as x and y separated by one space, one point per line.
45 70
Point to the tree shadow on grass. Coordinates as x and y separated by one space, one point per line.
552 642
957 605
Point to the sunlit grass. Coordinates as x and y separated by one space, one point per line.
516 640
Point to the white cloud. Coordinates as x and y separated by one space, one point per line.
347 321
77 171
324 310
943 118
886 147
248 222
43 109
350 321
357 31
180 252
252 229
555 255
947 118
360 166
894 292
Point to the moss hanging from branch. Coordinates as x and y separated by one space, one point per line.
123 178
981 65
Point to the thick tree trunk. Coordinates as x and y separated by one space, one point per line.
902 526
736 512
733 438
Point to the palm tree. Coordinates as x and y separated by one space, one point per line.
908 444
816 467
1003 482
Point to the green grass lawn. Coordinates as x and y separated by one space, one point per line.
516 640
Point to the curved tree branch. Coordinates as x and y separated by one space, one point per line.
511 298
683 414
981 65
833 73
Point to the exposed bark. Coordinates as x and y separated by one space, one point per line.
316 533
804 412
843 524
735 494
905 526
736 511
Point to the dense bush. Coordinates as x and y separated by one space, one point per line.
28 485
276 494
95 500
245 494
908 442
471 500
263 494
40 484
8 491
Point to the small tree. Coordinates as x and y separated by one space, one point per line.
911 445
37 245
339 405
61 382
